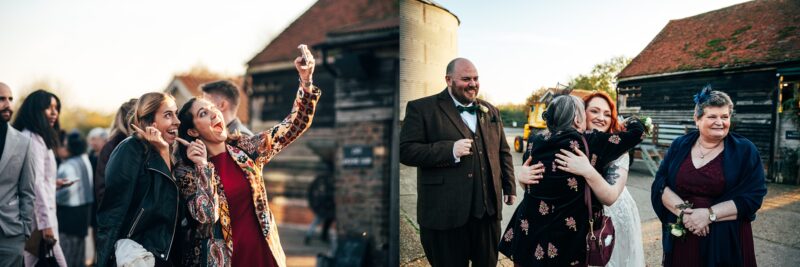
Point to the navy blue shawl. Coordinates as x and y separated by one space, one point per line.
744 184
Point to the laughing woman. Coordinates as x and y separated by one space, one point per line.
221 181
142 202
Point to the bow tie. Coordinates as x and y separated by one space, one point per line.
470 109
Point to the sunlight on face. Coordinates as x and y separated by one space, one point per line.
208 122
166 121
598 115
715 123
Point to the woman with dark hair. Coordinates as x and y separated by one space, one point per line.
74 202
609 188
139 223
550 225
38 119
221 180
711 183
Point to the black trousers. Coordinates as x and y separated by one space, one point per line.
475 241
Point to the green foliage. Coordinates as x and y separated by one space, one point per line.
603 76
513 112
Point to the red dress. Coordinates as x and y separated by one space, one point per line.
249 245
700 187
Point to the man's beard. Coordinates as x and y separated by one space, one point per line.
4 117
460 93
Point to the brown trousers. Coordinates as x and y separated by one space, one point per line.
475 241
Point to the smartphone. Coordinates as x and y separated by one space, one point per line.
304 53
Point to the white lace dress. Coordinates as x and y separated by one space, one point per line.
628 249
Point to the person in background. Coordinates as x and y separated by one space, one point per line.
120 129
97 138
74 202
38 120
16 185
225 95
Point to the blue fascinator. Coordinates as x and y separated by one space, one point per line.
703 96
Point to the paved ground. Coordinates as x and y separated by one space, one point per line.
777 237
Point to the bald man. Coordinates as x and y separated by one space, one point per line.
16 186
464 170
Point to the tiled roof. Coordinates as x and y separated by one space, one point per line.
752 33
322 17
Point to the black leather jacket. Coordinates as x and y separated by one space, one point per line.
141 202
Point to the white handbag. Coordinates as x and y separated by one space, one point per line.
131 254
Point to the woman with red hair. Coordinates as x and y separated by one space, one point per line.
609 187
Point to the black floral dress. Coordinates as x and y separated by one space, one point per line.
550 225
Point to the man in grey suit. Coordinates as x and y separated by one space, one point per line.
225 95
16 186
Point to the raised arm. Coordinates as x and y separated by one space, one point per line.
269 143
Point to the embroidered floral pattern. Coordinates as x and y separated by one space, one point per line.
644 135
573 144
530 146
574 263
539 254
554 166
614 139
571 223
594 160
509 235
552 251
543 208
546 135
524 226
572 183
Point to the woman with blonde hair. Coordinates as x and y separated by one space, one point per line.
139 223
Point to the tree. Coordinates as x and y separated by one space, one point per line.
603 76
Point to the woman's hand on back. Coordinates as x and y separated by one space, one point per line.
531 173
575 163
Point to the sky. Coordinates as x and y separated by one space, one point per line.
101 53
541 43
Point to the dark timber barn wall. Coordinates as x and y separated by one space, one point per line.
669 100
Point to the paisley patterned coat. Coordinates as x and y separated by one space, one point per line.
208 240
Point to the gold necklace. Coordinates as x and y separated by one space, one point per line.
700 149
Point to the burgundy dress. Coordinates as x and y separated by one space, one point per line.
249 246
700 187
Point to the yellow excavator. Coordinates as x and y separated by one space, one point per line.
535 122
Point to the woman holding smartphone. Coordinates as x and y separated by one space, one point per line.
230 223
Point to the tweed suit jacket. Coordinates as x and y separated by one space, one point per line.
444 190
